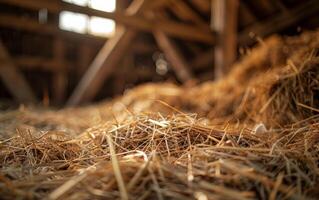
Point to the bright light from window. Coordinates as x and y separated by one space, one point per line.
101 26
81 23
73 22
78 2
103 5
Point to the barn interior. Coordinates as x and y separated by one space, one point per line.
165 99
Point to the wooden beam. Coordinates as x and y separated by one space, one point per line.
105 62
14 79
202 5
184 12
158 4
27 24
224 23
176 59
183 31
30 63
102 67
278 22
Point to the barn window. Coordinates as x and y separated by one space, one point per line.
82 23
103 5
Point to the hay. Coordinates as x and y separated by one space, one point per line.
252 135
173 157
288 66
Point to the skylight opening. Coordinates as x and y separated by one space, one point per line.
81 23
103 5
101 27
78 2
75 22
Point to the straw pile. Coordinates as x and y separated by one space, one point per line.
252 135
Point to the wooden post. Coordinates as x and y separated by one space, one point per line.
224 23
14 79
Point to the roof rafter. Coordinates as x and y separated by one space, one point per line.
171 28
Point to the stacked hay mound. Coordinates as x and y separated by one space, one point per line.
252 135
277 84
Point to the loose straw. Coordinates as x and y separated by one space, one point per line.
117 170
